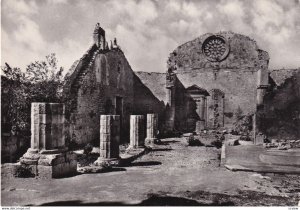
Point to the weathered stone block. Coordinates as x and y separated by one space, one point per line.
70 156
152 127
109 136
47 125
28 161
31 156
137 131
48 160
56 171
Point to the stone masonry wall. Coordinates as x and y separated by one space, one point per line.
104 84
146 102
239 88
235 75
280 116
109 76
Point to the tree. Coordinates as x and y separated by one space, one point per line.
41 82
47 79
13 97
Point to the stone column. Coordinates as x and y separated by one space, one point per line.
152 123
260 93
137 131
47 126
200 102
48 157
109 139
171 79
262 86
170 112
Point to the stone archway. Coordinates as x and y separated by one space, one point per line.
215 109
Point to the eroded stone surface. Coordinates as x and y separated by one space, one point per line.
137 131
49 165
47 126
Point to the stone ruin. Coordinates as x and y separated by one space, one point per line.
48 156
211 82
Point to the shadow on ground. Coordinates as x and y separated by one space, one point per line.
167 142
153 200
161 149
145 163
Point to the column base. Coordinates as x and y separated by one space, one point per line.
151 141
107 162
200 125
47 165
130 147
136 150
259 139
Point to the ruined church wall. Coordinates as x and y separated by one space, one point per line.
109 77
146 102
185 108
235 74
239 88
279 117
243 54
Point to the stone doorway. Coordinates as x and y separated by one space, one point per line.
215 109
198 96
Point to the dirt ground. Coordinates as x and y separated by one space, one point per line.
171 174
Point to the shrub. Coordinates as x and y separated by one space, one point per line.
88 149
217 144
24 172
194 142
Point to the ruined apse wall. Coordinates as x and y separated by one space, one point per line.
235 75
280 116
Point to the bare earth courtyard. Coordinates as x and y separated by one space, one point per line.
171 174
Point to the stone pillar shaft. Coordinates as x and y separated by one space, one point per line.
170 115
152 123
169 96
260 95
47 126
201 108
109 136
137 131
201 105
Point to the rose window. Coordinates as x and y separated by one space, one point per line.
215 48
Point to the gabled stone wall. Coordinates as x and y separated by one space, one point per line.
102 83
239 70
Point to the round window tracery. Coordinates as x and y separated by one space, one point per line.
215 48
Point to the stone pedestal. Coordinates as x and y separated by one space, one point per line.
109 140
137 131
200 126
152 123
259 139
48 157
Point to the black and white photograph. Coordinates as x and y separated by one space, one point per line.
150 103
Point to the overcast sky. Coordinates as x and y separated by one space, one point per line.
147 31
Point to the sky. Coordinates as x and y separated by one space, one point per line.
147 30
